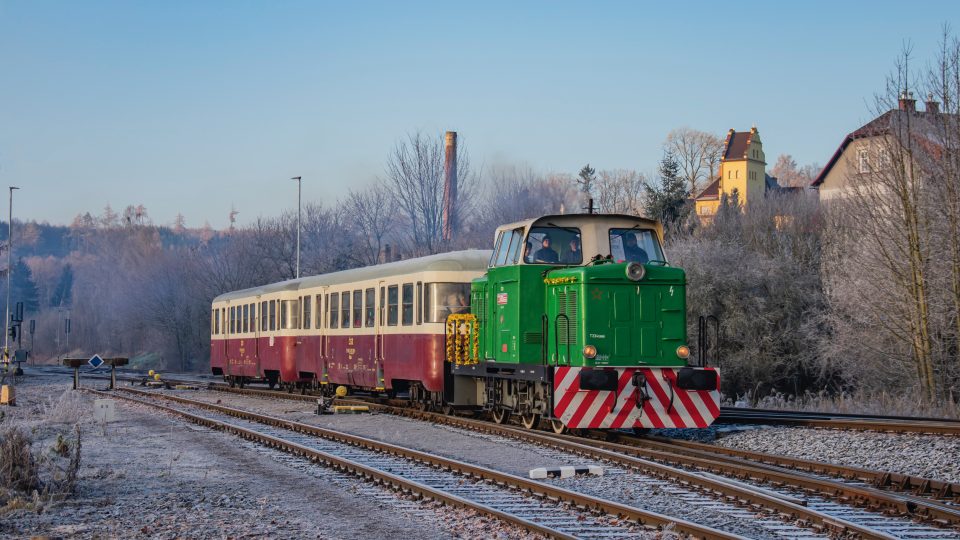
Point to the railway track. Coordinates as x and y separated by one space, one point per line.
835 507
728 415
832 504
533 506
894 424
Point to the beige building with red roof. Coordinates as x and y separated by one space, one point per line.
742 172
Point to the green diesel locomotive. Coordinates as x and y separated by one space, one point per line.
580 321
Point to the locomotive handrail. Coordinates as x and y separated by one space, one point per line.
703 327
556 336
544 329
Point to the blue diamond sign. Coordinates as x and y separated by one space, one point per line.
95 361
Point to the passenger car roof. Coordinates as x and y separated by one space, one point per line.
467 260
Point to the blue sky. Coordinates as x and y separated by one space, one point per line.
192 107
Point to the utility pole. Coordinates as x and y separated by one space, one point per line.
299 183
6 334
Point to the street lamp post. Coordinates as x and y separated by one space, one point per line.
297 178
6 333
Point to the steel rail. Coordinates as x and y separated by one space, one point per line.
900 482
755 499
871 498
539 489
938 427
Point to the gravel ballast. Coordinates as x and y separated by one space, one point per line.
930 456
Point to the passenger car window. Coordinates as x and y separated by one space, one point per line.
307 311
357 308
369 307
407 304
392 307
345 310
442 299
334 304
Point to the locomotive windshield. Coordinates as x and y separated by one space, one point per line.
634 245
553 245
442 299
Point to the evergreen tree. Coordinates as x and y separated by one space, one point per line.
63 293
587 176
23 289
668 202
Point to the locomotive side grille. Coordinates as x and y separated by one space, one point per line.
567 326
534 338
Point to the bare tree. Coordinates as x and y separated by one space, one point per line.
373 216
620 191
698 154
897 225
415 177
789 174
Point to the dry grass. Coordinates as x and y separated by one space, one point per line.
880 403
40 454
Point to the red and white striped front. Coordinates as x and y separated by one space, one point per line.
665 406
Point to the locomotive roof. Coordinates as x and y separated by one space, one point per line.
471 259
568 219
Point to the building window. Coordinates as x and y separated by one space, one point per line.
863 160
883 159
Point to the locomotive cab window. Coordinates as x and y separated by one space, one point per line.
509 247
443 299
553 245
635 245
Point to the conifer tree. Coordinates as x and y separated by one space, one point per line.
668 201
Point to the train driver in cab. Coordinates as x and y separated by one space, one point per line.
632 252
573 256
546 254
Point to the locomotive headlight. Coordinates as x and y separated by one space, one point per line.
635 271
590 351
683 352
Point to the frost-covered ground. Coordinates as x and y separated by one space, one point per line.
147 476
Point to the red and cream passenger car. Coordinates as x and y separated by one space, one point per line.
379 327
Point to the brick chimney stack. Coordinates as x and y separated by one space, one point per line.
907 103
932 106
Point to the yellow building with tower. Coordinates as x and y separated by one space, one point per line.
742 171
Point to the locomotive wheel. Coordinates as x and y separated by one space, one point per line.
232 382
271 383
241 381
499 415
558 427
530 421
448 410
